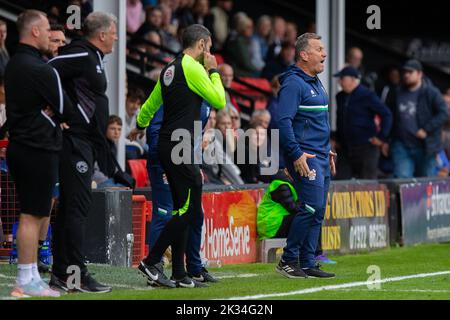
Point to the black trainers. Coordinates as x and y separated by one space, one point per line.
155 275
89 285
290 270
317 273
203 276
57 283
187 282
43 267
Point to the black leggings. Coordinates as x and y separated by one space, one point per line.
185 183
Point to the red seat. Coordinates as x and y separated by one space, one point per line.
219 58
260 83
138 168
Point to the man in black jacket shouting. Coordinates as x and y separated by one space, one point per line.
83 75
35 104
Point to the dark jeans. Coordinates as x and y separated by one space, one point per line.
364 161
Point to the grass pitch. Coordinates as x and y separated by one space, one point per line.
261 281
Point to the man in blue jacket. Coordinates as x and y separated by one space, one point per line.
420 112
302 117
358 137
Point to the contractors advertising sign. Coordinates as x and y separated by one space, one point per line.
356 218
425 212
229 229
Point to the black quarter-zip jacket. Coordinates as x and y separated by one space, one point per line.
30 86
81 68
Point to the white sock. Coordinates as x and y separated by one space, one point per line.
24 274
35 272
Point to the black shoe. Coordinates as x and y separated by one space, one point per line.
58 283
290 270
90 285
187 282
155 275
317 273
203 276
42 267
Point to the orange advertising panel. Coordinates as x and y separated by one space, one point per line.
229 230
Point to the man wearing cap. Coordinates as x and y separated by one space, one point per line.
419 115
358 136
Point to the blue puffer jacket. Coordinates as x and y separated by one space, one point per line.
302 115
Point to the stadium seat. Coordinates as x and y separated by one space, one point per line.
219 58
138 168
260 83
267 249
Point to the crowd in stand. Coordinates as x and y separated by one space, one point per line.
376 115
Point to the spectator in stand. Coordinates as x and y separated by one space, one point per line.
260 117
153 21
391 82
201 14
149 3
357 136
251 166
240 49
235 119
280 64
291 32
4 55
446 129
262 37
169 29
184 13
277 38
211 124
134 14
158 62
354 59
2 107
227 138
135 149
221 13
419 114
113 133
227 75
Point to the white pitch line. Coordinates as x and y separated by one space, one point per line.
6 277
395 290
245 275
339 286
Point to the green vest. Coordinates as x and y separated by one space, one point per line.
270 213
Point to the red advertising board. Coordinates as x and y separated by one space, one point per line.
229 230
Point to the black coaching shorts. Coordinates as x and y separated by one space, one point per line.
35 173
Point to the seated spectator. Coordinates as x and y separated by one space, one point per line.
239 50
262 35
291 33
391 80
277 37
227 75
221 13
4 55
184 14
358 139
281 63
154 38
250 166
201 14
227 137
134 13
113 133
169 29
134 149
260 117
235 119
211 124
153 22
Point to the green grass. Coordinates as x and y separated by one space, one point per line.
394 262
